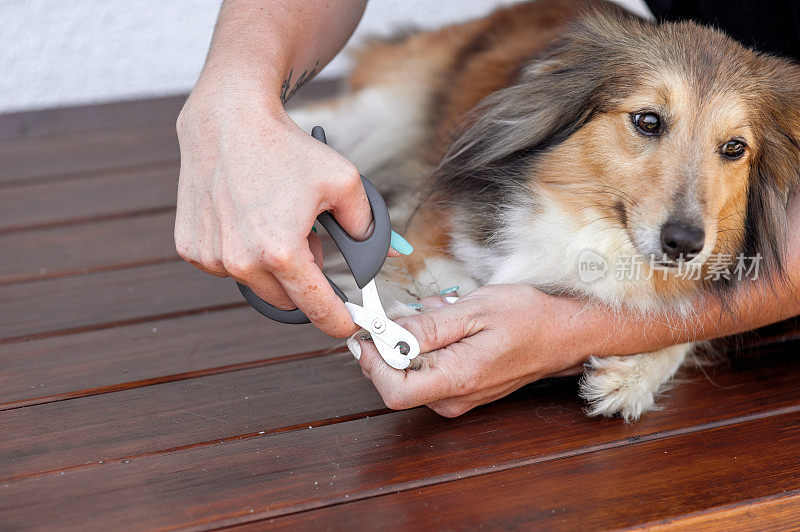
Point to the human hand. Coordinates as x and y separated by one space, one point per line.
481 348
251 185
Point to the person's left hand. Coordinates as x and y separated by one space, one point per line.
481 348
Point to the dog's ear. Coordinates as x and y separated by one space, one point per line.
775 172
555 95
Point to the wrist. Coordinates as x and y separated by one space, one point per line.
581 329
230 89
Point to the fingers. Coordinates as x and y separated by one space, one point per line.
431 303
442 326
267 287
438 330
308 288
402 389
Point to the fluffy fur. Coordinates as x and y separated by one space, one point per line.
516 138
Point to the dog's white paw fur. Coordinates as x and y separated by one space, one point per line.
627 385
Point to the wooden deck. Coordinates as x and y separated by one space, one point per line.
137 392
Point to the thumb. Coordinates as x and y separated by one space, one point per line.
443 326
350 206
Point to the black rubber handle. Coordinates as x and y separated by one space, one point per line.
364 258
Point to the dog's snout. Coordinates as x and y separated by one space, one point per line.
680 240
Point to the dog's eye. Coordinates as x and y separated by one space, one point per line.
733 149
647 123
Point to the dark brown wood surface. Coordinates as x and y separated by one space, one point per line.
139 393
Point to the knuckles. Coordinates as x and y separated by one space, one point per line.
238 265
277 258
395 400
450 409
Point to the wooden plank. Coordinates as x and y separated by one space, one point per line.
87 152
70 120
228 406
777 512
599 490
270 475
83 248
54 369
101 300
84 200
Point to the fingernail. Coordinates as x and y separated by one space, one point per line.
314 228
354 347
415 306
401 245
448 290
451 299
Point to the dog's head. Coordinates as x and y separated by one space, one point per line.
673 133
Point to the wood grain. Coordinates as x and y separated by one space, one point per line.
78 119
33 159
53 369
79 249
84 200
330 466
606 489
203 410
775 512
102 300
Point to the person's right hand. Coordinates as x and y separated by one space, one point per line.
251 185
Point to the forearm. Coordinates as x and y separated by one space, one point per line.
754 304
274 46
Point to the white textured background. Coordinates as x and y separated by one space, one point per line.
70 52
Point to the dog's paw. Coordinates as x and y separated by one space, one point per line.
627 385
617 386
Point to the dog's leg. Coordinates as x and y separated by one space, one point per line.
626 385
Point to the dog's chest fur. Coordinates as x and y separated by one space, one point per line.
537 242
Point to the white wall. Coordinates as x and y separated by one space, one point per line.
70 52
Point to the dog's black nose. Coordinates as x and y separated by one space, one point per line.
681 240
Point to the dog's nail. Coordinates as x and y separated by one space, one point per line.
415 306
401 245
448 290
354 347
451 299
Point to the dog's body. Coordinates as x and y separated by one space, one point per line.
557 128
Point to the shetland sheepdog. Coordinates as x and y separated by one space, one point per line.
556 133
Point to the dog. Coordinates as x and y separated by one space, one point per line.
559 133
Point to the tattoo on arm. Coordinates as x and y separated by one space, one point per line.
288 88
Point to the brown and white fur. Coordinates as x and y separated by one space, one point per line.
509 145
